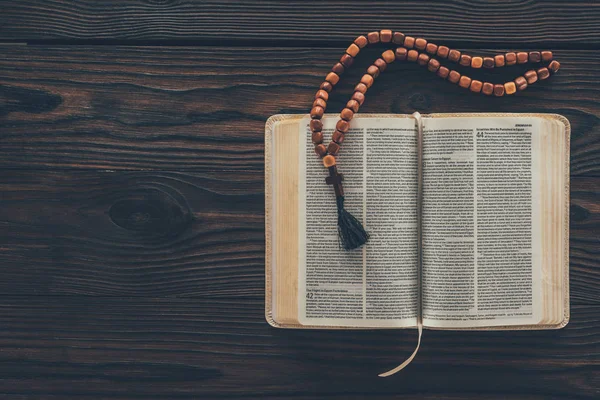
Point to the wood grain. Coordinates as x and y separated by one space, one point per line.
554 23
205 109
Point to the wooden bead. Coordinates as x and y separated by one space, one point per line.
498 90
487 88
543 73
342 126
353 105
488 62
333 148
347 60
546 56
316 125
476 62
431 48
510 88
453 76
423 59
454 55
320 102
332 78
317 137
381 64
321 94
326 86
442 51
464 82
401 53
398 38
554 66
433 65
385 36
359 97
328 161
373 37
475 86
409 42
511 58
347 114
338 68
420 43
373 71
499 60
412 55
388 56
521 83
522 57
531 76
535 56
443 72
361 41
361 87
321 150
367 80
353 50
317 112
338 137
465 60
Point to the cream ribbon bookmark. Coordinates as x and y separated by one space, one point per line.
419 123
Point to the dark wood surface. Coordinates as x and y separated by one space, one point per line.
132 198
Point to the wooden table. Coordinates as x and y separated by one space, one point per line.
131 197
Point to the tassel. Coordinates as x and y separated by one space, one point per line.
351 232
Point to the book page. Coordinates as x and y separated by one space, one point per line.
373 286
481 248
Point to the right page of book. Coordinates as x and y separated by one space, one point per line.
481 246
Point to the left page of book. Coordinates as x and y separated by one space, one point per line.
376 285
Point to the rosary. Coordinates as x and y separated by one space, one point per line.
351 232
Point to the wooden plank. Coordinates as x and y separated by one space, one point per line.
204 109
142 347
159 233
535 22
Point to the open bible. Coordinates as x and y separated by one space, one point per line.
467 216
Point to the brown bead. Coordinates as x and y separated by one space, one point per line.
361 87
326 86
535 56
476 86
409 42
453 76
338 137
381 64
465 60
433 65
333 148
373 37
388 56
317 137
347 60
401 53
423 59
443 72
431 48
321 150
521 83
464 81
511 58
332 78
385 36
317 112
367 80
320 102
359 97
316 125
442 51
543 73
454 55
498 90
353 105
398 38
487 88
322 95
338 68
373 71
488 62
476 62
510 87
499 60
347 114
531 76
328 161
342 126
546 55
361 41
353 50
420 43
554 66
522 57
412 55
